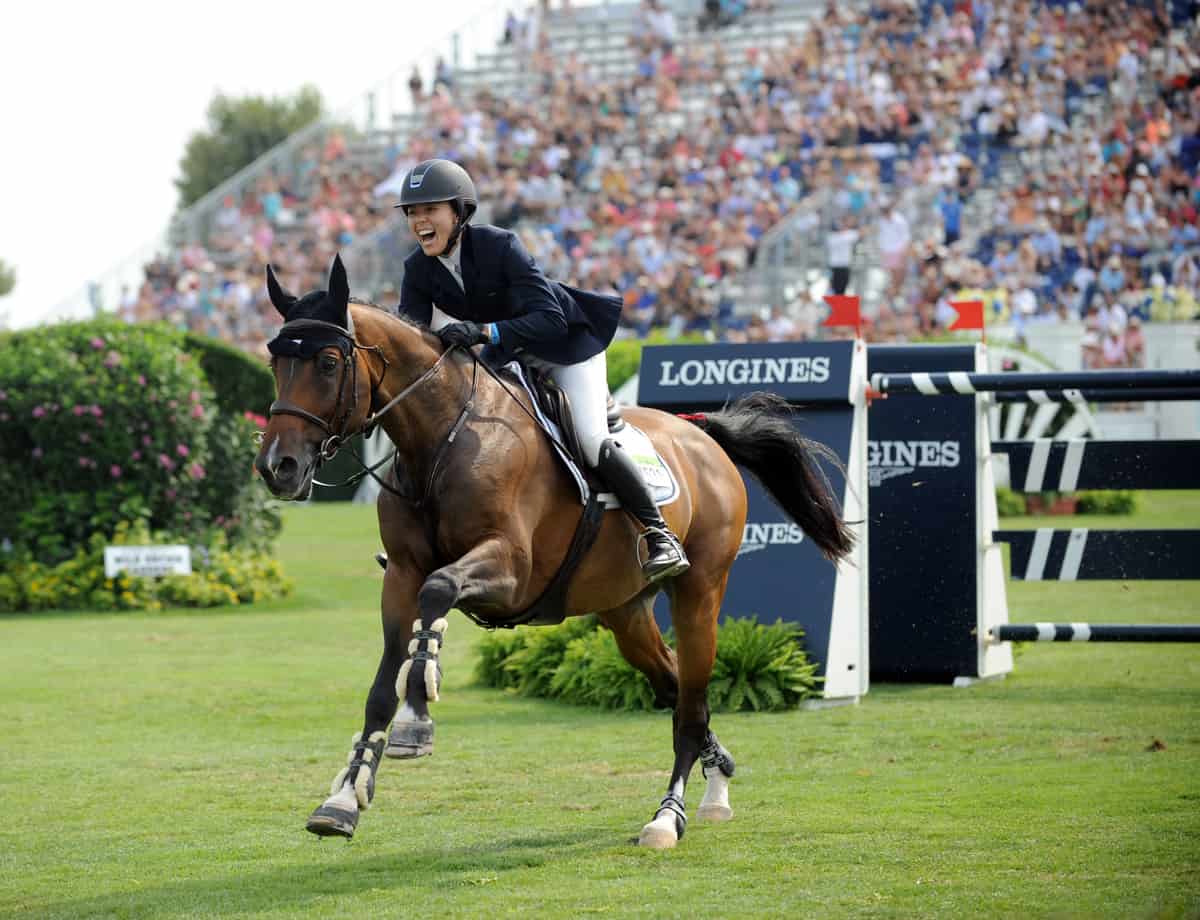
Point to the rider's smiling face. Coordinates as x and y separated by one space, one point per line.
432 225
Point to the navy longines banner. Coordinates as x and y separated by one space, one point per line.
698 376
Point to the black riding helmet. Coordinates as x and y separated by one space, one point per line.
441 180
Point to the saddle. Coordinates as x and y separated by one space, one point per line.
556 405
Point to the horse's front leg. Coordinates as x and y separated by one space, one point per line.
354 786
487 573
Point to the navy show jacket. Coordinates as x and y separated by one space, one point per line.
505 286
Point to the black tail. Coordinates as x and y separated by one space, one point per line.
757 434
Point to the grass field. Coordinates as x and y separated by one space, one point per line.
163 766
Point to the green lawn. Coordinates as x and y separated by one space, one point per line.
163 766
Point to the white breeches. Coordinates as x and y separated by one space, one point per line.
586 386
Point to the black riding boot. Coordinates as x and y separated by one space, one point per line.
664 553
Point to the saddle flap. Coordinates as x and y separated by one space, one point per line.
556 405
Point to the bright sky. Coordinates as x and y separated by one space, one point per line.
99 100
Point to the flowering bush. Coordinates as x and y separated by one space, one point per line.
100 422
104 424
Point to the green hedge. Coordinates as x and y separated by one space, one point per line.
105 425
624 356
757 667
241 383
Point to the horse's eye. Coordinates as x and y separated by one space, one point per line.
327 364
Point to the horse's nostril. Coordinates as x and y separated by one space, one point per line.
287 468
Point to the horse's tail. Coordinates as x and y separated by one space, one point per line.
756 433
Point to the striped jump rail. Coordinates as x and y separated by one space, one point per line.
1084 554
964 383
1067 466
1095 395
1092 632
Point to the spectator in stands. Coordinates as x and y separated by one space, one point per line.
895 239
416 87
1112 348
840 248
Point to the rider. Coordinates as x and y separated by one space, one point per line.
477 285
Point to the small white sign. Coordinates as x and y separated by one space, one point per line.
147 561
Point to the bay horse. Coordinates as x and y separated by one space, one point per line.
478 513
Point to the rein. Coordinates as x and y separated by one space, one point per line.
335 431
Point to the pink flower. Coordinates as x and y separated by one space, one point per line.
141 379
170 495
79 410
3 395
37 453
187 515
4 416
182 450
39 411
114 471
166 462
195 395
85 438
84 461
197 411
98 343
258 420
146 440
112 359
196 471
172 403
97 411
136 455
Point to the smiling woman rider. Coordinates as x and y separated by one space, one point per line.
477 285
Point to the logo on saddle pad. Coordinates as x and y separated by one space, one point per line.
888 459
709 371
760 536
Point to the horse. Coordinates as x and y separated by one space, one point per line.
478 513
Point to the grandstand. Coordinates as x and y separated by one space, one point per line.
1043 157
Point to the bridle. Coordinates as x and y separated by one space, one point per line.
336 431
336 435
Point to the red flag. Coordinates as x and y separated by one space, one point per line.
970 314
843 310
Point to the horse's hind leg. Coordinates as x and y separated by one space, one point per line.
354 786
695 606
642 645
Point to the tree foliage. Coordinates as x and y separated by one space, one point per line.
8 278
240 130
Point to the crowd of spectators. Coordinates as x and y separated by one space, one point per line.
1039 156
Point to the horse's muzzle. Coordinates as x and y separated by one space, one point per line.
286 476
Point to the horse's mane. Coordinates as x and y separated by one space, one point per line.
424 330
392 314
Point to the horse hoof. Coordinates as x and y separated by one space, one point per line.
332 822
410 739
714 812
657 837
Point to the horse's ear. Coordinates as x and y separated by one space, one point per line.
279 297
339 287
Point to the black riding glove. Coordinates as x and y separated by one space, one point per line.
464 334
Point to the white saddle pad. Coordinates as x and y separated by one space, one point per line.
655 472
